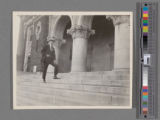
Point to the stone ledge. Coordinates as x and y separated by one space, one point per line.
85 88
83 98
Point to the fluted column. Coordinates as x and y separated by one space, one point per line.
122 41
80 37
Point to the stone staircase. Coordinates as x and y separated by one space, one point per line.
105 88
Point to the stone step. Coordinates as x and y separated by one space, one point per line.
90 88
103 75
42 99
84 88
100 82
57 101
25 101
92 73
77 96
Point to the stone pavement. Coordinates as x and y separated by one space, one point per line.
108 88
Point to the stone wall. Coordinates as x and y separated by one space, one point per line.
38 44
101 44
65 56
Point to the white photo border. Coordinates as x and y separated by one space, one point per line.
14 47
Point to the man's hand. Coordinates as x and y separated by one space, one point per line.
47 55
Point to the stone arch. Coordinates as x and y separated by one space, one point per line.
60 25
100 45
121 40
63 44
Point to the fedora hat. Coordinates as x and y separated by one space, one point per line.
51 39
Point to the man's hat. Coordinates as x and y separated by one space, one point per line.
50 39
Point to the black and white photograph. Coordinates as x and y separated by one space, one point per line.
72 60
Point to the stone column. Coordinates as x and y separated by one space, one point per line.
21 45
122 41
80 37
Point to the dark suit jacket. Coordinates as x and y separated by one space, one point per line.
48 55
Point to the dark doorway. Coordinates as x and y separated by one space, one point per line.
101 45
66 48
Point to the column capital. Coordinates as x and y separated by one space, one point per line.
118 19
78 31
57 41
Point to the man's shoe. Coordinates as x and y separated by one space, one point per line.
55 77
44 81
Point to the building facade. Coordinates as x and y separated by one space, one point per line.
82 43
93 54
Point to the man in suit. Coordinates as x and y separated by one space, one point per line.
48 57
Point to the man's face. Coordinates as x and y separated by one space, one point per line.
51 45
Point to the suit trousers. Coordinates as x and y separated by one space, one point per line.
45 66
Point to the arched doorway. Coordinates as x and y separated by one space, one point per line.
65 49
101 45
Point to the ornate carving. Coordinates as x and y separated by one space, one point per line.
80 32
28 46
32 19
118 19
38 30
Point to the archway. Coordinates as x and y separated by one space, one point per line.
65 49
101 45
